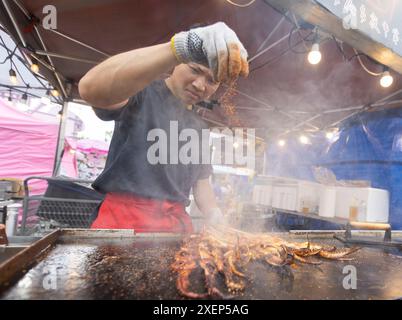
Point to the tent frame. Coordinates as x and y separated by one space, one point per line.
66 87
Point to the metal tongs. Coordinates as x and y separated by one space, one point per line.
386 241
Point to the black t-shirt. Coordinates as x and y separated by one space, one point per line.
128 169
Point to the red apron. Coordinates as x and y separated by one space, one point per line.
127 211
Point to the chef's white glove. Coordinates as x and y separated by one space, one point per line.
216 46
216 218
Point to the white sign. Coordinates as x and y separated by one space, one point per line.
379 19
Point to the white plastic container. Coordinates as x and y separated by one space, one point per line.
308 196
262 195
362 204
284 196
327 202
296 195
12 219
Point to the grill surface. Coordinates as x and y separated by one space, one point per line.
140 269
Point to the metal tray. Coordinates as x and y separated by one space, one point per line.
118 264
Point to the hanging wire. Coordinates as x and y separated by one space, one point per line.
298 30
280 55
241 5
364 67
342 51
20 90
303 40
25 63
10 55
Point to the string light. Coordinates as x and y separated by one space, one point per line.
24 98
13 77
386 79
235 145
314 56
281 143
303 139
55 93
34 65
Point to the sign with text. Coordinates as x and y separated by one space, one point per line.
379 19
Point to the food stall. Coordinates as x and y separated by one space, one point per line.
327 139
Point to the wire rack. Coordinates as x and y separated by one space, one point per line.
67 203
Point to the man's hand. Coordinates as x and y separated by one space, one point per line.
216 46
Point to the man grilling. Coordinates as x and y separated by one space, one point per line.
140 195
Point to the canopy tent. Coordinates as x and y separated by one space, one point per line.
369 147
283 92
27 146
283 96
83 158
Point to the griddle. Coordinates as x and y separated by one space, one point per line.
110 264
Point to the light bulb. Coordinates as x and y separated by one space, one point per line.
314 56
386 79
34 66
303 139
55 93
13 77
329 135
281 143
235 145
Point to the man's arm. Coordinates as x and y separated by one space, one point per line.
204 196
205 199
110 84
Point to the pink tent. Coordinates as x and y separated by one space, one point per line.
85 146
90 145
69 159
27 146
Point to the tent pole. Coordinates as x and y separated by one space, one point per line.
52 64
363 106
79 42
269 107
307 121
270 34
266 105
23 9
264 164
62 56
60 139
268 48
11 16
